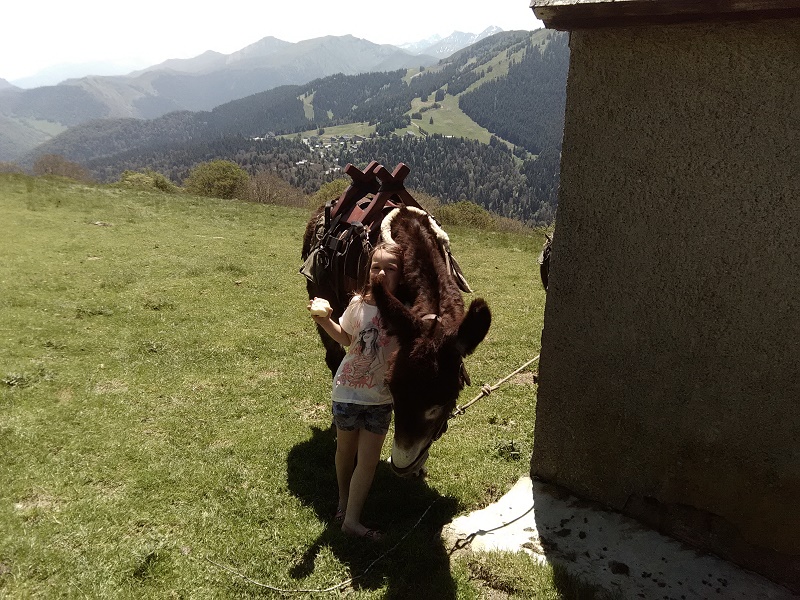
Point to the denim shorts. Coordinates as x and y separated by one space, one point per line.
375 418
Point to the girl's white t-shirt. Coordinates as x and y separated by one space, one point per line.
361 376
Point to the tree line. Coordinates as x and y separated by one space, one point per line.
458 169
279 156
451 169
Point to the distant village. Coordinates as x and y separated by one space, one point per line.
332 150
328 147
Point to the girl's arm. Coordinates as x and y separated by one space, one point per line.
332 328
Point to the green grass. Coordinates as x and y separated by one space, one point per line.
308 105
164 401
363 129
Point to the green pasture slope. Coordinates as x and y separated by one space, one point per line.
164 404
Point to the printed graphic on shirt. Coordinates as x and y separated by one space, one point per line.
368 357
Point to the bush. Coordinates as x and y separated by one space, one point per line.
268 188
217 179
426 201
465 213
147 180
7 167
329 191
57 165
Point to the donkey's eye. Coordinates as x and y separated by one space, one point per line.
433 413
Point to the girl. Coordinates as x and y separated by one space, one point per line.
362 403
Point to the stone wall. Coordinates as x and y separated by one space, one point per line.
669 378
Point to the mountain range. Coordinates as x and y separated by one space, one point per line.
30 116
483 124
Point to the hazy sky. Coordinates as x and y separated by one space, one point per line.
146 32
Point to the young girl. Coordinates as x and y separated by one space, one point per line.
362 403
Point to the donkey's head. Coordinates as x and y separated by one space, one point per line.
434 335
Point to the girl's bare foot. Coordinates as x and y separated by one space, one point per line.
373 535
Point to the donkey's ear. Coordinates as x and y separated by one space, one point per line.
399 321
474 327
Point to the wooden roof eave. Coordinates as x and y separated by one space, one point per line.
566 15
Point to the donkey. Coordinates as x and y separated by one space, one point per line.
544 260
434 335
426 315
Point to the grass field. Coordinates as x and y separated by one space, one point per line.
449 119
164 404
363 129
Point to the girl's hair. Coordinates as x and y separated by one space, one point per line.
390 247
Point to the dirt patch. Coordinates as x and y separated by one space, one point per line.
315 413
528 378
112 386
35 506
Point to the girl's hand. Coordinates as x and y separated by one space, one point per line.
321 312
320 308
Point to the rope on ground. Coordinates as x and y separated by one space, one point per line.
332 588
466 541
488 389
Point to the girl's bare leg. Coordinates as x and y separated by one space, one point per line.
346 450
369 453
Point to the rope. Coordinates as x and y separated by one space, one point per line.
332 588
488 389
464 542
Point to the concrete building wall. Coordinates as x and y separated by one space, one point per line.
670 369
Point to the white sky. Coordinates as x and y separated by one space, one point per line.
42 34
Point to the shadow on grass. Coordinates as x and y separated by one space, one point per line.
419 565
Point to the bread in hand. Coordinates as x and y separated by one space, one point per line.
320 307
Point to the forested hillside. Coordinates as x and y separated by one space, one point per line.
453 169
534 87
456 169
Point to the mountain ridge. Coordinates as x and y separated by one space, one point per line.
484 124
456 41
199 83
